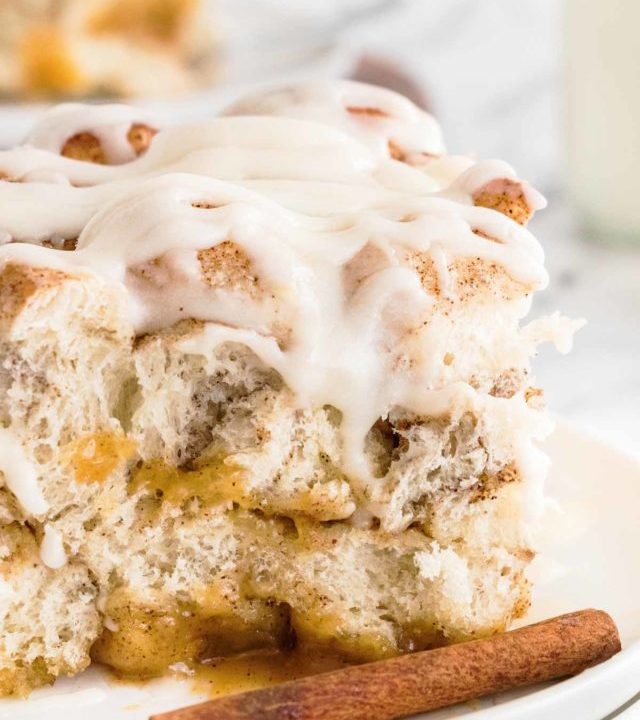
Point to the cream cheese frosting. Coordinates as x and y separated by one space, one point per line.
52 552
108 123
374 115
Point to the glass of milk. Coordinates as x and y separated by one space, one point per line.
603 117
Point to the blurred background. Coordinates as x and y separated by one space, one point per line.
552 86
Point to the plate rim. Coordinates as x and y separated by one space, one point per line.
622 668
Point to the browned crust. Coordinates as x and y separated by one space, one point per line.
66 244
488 485
396 152
367 111
227 266
171 334
475 276
22 546
140 137
223 266
505 196
19 284
471 279
508 383
87 147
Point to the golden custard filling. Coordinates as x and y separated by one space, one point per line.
222 653
230 641
150 640
94 457
216 634
213 479
145 640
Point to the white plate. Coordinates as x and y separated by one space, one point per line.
589 559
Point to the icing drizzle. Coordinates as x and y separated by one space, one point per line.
305 182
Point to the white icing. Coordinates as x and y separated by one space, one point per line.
109 123
363 383
52 552
45 176
347 106
303 186
20 475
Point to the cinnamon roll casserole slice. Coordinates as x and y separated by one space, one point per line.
263 382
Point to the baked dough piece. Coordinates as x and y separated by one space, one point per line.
263 382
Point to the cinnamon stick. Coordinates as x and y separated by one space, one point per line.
423 681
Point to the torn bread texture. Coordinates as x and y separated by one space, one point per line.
186 484
263 383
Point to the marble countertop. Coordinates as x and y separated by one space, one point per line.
597 386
